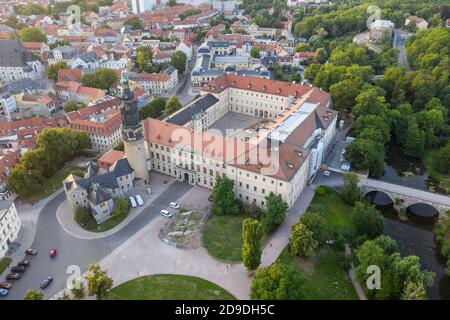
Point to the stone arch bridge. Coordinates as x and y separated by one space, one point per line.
403 197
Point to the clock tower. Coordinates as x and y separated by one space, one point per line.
132 133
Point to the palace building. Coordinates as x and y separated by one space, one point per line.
288 129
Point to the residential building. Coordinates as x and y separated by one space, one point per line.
157 83
185 46
139 6
380 29
16 63
420 23
9 226
70 90
7 105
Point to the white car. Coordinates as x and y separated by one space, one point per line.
166 213
174 205
326 173
139 200
133 203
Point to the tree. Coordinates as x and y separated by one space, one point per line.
172 105
144 58
367 221
321 56
32 34
251 246
277 282
178 60
134 23
70 106
55 146
414 291
77 289
318 225
350 191
52 69
32 294
99 283
102 78
254 52
443 159
59 42
414 145
153 109
366 154
301 241
275 214
223 197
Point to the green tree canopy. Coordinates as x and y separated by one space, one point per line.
350 191
32 34
52 69
223 197
144 58
98 282
178 60
251 246
318 225
172 105
367 221
277 282
32 294
275 214
153 109
102 78
301 241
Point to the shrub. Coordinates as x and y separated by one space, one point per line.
121 207
323 190
84 217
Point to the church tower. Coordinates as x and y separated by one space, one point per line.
132 132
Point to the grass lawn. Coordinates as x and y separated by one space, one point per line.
222 236
169 287
54 183
444 179
326 278
4 263
112 222
334 209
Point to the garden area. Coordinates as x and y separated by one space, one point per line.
223 231
169 287
324 273
182 230
85 219
52 184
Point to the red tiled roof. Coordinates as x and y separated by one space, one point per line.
109 158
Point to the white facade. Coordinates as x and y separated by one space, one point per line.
7 105
139 6
33 71
9 227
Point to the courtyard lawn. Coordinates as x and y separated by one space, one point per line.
443 179
117 217
4 264
326 277
54 183
222 236
334 209
169 287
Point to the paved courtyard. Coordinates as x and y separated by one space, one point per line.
233 120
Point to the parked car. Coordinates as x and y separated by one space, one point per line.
133 203
326 173
166 213
18 269
24 263
174 205
31 252
6 285
13 276
3 292
46 282
139 200
52 253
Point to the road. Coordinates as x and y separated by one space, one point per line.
74 251
399 43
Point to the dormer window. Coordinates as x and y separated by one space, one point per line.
290 165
